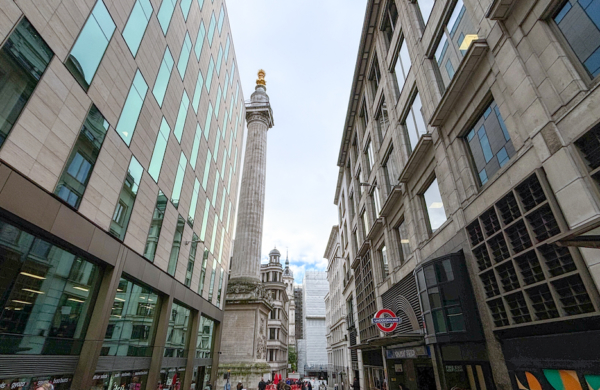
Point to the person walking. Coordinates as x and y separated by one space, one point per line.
356 384
262 385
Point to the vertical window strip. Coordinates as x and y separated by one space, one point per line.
165 13
211 29
205 220
232 74
196 147
155 226
203 273
227 44
219 60
185 6
191 261
200 4
184 56
220 289
132 108
225 86
181 116
216 148
178 184
215 191
176 247
200 40
221 18
218 101
209 74
198 92
212 282
206 170
88 51
124 207
137 24
160 148
80 164
192 212
209 115
163 76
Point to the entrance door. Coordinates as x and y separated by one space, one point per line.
425 378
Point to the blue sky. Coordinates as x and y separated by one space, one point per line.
308 49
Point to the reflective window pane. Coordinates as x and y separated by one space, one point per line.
120 220
205 341
176 247
227 44
179 180
160 148
404 240
435 206
219 291
403 65
211 29
219 60
205 220
164 74
211 286
23 59
80 164
184 56
426 6
218 101
132 322
200 40
192 212
209 74
191 261
221 18
206 170
415 123
200 4
155 226
132 108
136 25
181 116
185 8
86 54
47 295
165 13
209 116
198 92
196 147
177 332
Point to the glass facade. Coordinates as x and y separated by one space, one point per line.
165 14
195 147
184 56
203 272
191 260
192 213
132 322
47 295
206 338
185 8
80 164
178 184
181 116
457 36
160 147
176 247
579 22
415 122
132 108
164 74
434 206
177 332
136 24
489 143
200 40
85 57
23 59
155 226
120 219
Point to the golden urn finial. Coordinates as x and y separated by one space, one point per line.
261 78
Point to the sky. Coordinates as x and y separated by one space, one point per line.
308 50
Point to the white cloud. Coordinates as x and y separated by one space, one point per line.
308 50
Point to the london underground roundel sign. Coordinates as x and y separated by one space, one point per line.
386 320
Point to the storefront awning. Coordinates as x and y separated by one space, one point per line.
586 235
390 340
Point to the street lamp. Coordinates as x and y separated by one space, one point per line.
193 242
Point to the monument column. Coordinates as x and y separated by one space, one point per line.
247 305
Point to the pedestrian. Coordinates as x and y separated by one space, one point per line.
322 386
356 384
309 385
262 384
240 386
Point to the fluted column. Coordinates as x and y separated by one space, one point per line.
245 265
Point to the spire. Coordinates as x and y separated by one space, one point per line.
287 260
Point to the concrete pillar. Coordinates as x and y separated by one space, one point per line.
159 343
94 337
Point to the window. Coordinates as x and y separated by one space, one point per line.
118 225
272 330
191 260
185 8
434 206
198 92
205 220
159 150
383 120
155 226
219 60
132 108
206 170
200 40
218 103
375 75
589 144
390 19
489 143
46 296
220 290
181 116
176 247
415 122
370 157
80 164
385 268
390 170
579 22
209 76
211 29
177 331
184 56
211 286
364 115
203 272
440 299
196 147
192 212
425 6
205 341
178 180
221 18
402 66
165 13
23 59
136 25
227 44
457 36
163 76
405 249
364 217
86 54
216 147
133 320
351 204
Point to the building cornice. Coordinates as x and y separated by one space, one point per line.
331 242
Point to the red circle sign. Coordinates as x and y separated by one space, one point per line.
387 323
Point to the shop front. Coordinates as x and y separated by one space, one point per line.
126 380
59 382
409 369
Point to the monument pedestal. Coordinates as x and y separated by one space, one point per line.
244 336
